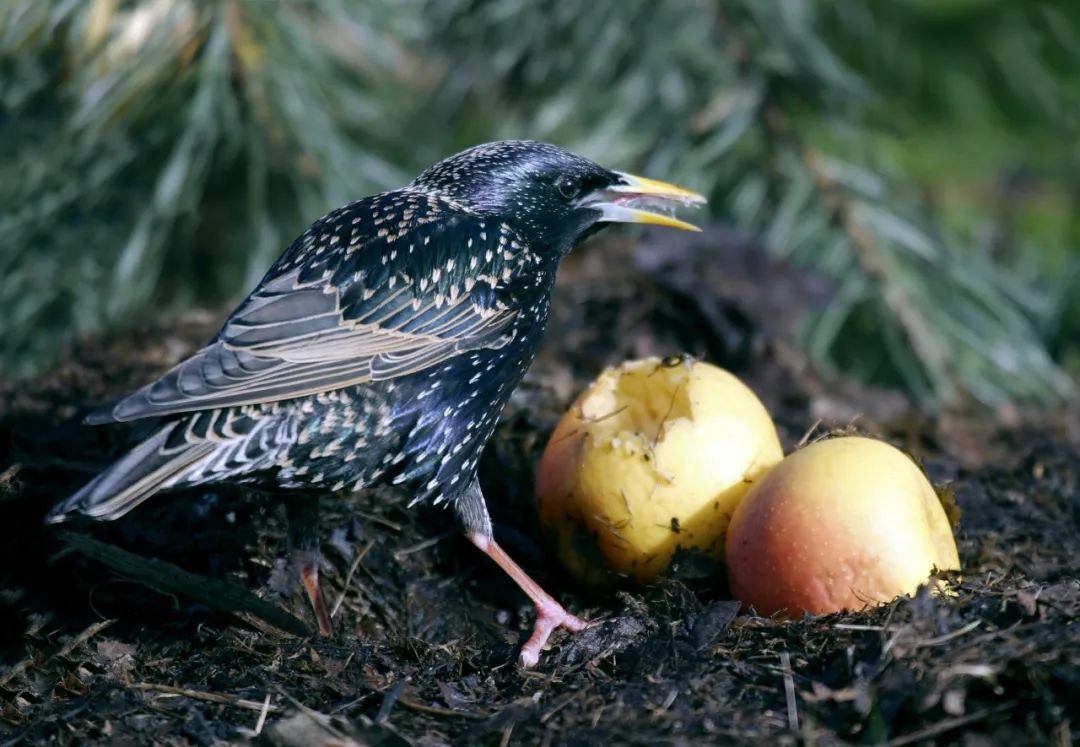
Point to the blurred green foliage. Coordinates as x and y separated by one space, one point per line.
159 154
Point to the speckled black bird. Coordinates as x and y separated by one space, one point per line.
380 348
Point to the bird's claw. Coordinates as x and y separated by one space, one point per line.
309 577
549 617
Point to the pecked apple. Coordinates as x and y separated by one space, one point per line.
651 459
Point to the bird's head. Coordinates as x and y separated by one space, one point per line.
551 196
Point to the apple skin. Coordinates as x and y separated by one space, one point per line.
652 458
841 524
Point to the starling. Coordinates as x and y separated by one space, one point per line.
380 348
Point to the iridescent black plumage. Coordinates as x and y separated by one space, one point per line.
380 347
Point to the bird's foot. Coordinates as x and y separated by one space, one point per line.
303 516
309 578
550 615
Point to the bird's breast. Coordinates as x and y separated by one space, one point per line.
451 411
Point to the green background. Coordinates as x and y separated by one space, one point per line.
156 156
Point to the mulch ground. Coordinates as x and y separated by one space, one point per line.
427 628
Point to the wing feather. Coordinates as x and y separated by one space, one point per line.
298 334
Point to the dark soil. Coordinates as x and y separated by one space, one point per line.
428 628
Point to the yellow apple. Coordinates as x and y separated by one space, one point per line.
652 458
841 524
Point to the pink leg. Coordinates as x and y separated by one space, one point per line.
309 577
303 515
549 613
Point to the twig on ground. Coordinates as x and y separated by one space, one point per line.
379 520
389 700
167 578
789 691
405 552
415 705
68 647
950 636
948 725
8 475
262 715
348 578
221 698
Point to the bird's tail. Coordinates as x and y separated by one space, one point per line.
143 471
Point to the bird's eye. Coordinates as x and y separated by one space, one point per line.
568 187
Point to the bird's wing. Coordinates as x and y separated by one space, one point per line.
345 306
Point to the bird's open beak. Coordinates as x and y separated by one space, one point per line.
639 200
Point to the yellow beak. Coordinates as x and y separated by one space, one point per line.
641 200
